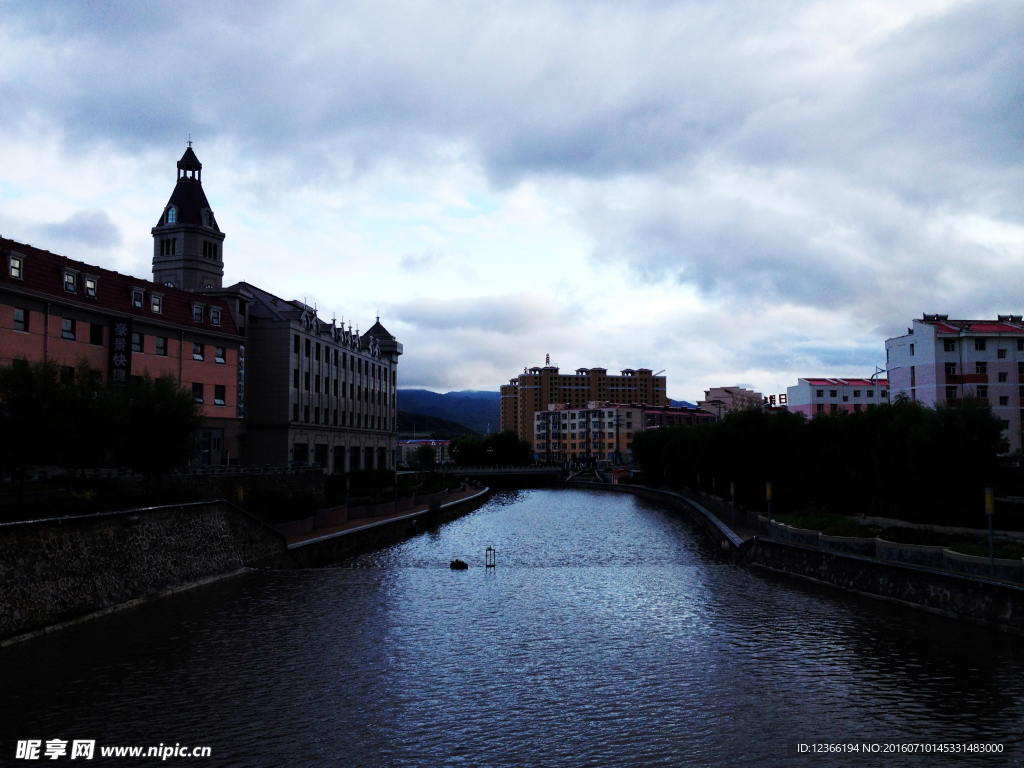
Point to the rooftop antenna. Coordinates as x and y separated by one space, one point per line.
190 139
547 359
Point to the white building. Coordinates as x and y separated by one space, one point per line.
835 395
942 361
407 450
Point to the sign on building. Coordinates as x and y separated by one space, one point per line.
120 371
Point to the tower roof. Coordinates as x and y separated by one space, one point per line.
378 331
188 196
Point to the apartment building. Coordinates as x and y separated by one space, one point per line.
834 395
941 361
537 388
721 400
55 308
602 431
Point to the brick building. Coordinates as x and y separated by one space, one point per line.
55 308
537 388
316 392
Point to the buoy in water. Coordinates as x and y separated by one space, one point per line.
459 565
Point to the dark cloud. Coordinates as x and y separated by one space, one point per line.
91 229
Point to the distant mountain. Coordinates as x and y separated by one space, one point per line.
681 404
471 408
420 425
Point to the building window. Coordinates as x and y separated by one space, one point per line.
335 417
1001 354
951 369
869 393
1002 377
856 406
172 215
911 350
67 374
949 345
197 313
96 334
834 407
197 393
90 287
219 356
306 381
218 394
295 378
305 413
1020 346
16 265
21 319
296 344
69 282
951 393
1004 400
979 345
316 383
981 367
137 298
307 347
833 392
156 303
335 387
316 415
295 411
317 351
161 346
67 329
197 352
214 316
856 393
983 392
820 393
137 342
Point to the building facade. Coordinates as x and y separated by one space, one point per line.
407 450
941 361
537 388
833 395
55 308
721 400
316 392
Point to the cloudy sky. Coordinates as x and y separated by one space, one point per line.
737 192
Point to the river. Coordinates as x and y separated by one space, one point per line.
611 633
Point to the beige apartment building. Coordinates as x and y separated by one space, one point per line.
538 387
721 400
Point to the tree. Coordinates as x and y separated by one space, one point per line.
425 456
162 425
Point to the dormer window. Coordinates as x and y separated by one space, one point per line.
90 287
172 215
214 316
197 313
16 264
137 298
207 219
69 281
169 284
156 303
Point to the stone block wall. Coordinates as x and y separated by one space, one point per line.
53 571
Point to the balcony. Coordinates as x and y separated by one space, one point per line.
967 378
955 402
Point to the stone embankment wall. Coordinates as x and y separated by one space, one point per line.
52 571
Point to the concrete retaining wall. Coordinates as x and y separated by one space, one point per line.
915 554
851 545
1010 570
57 570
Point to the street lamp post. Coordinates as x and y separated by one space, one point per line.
990 511
768 496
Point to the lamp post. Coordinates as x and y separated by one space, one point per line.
732 497
768 496
990 511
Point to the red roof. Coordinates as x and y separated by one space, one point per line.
43 272
837 381
983 327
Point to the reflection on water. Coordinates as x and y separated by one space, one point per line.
611 633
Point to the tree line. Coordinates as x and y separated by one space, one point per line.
900 460
501 449
77 422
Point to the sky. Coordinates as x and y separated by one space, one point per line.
739 193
